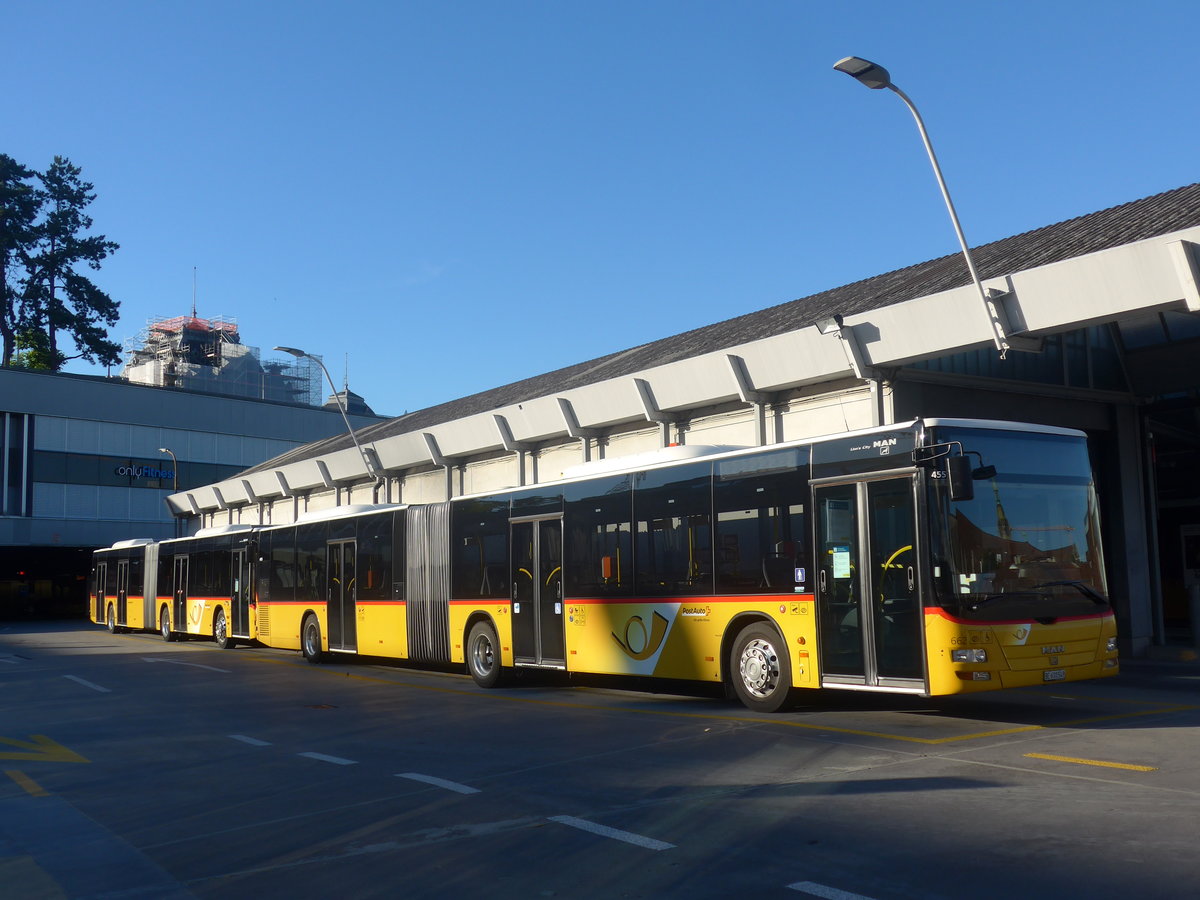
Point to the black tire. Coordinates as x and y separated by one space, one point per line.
760 669
310 640
221 630
483 655
164 625
111 621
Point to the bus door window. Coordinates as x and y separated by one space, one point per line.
524 593
179 614
101 590
240 593
342 608
871 619
894 601
122 590
837 549
537 595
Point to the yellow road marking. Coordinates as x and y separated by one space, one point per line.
1092 762
788 723
28 784
40 749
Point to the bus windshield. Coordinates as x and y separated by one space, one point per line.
1027 546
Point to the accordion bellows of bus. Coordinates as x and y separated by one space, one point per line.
932 557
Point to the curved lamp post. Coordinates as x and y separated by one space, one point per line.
174 480
372 469
876 77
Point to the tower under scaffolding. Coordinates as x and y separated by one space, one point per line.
207 355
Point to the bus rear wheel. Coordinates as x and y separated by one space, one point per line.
483 655
760 670
310 639
112 620
164 625
221 631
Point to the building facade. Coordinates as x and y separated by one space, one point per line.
85 464
1093 323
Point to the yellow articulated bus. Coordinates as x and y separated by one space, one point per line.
933 557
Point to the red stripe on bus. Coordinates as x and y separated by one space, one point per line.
980 623
691 599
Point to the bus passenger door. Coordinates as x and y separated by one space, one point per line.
871 617
122 590
179 614
100 586
239 600
342 597
537 607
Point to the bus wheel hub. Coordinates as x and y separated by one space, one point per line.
759 667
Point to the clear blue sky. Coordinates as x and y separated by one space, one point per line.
458 195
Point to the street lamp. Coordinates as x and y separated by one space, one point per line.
876 77
372 469
174 480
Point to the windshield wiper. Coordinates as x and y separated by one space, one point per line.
1002 595
1082 587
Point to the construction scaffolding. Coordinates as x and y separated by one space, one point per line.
207 355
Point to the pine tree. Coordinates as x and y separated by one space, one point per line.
19 206
58 296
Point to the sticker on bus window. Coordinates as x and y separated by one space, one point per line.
841 562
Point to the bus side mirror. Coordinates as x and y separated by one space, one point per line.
962 484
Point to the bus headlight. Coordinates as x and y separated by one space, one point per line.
972 655
1111 646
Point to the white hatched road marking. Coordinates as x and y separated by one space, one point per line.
336 760
177 662
821 890
615 833
253 742
439 782
88 684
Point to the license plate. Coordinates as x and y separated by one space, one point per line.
1054 675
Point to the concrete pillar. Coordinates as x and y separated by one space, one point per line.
1133 582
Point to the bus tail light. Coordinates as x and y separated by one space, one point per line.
971 655
1111 646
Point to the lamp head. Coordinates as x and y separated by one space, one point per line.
292 350
830 324
863 70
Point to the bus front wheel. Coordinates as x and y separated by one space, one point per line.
760 669
483 655
221 630
310 640
164 625
112 620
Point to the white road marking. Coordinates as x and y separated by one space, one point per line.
821 890
178 662
615 833
88 684
439 782
336 760
253 742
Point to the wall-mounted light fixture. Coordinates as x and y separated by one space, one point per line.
830 324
